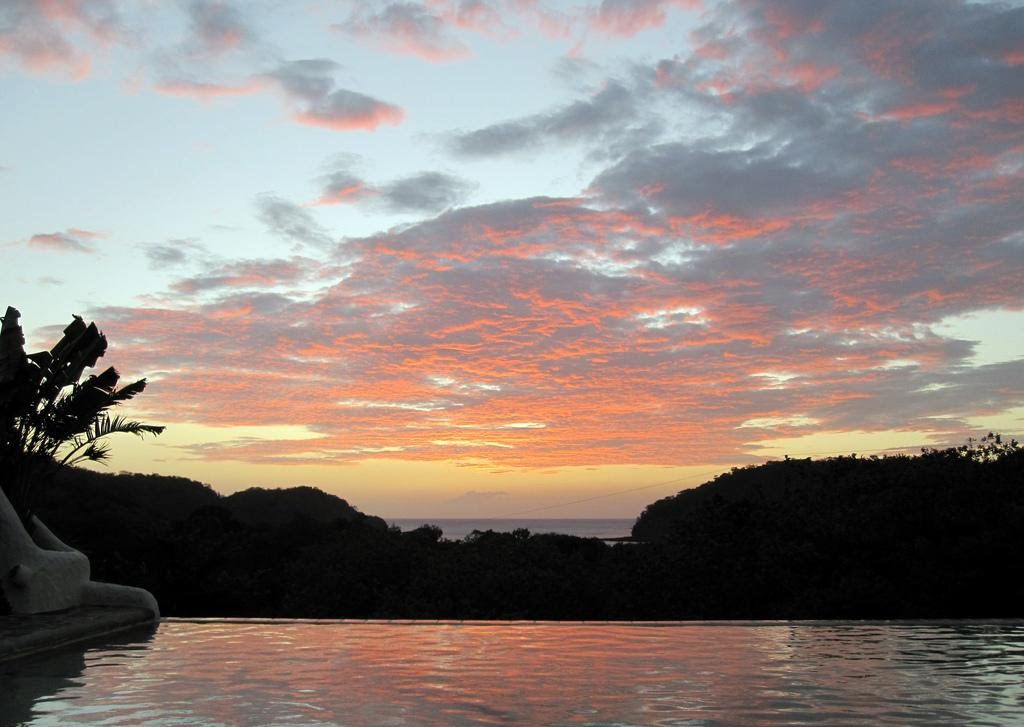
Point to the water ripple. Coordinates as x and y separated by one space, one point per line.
301 673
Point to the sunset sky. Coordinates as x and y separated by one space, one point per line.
484 257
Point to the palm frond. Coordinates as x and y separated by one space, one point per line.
76 411
130 391
104 426
92 453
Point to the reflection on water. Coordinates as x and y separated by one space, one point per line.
249 673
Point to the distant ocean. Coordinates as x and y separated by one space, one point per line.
458 528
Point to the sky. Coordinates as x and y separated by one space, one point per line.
462 258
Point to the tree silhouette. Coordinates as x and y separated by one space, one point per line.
48 418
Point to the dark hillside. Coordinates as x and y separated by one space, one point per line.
940 535
937 491
935 536
278 506
120 520
150 499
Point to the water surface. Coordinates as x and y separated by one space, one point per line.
458 528
307 673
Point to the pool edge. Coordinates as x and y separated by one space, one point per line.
29 635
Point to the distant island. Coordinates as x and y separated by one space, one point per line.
940 535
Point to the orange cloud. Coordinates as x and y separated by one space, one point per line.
789 269
206 91
360 113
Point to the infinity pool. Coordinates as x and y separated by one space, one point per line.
343 673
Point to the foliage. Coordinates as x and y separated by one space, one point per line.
989 448
48 418
935 536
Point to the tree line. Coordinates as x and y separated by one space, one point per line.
940 535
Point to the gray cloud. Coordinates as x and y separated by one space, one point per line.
40 42
246 274
421 192
174 252
405 27
217 26
608 110
425 192
309 83
310 79
73 240
344 187
344 109
759 181
628 17
206 63
292 222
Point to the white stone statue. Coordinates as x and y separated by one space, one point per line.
40 573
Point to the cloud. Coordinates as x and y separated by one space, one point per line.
197 67
252 274
343 187
216 27
310 79
205 90
853 181
541 311
407 28
433 30
309 84
421 192
56 35
172 253
291 222
308 94
758 182
344 110
425 192
218 35
608 109
72 240
626 18
477 497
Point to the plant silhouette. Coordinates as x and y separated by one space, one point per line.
48 418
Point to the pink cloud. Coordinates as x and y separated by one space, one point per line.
789 268
206 91
445 335
350 111
309 86
476 15
409 28
71 240
350 193
59 35
626 18
259 274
